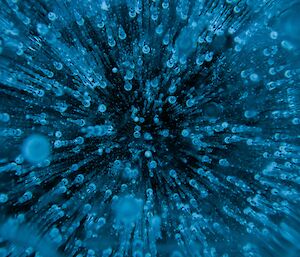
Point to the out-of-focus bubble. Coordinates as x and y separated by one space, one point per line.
36 148
127 209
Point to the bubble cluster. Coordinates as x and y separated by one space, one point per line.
149 128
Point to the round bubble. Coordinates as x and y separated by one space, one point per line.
127 209
36 148
212 110
291 21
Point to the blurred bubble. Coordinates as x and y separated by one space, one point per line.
36 148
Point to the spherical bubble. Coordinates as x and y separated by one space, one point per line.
146 49
25 197
102 108
137 134
190 102
250 114
290 22
3 198
148 154
254 77
184 132
130 173
58 134
36 148
42 29
127 209
152 164
172 173
212 110
52 16
185 43
172 99
176 254
127 86
224 162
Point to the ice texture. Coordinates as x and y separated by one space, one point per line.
150 128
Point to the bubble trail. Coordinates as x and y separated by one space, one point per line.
149 128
